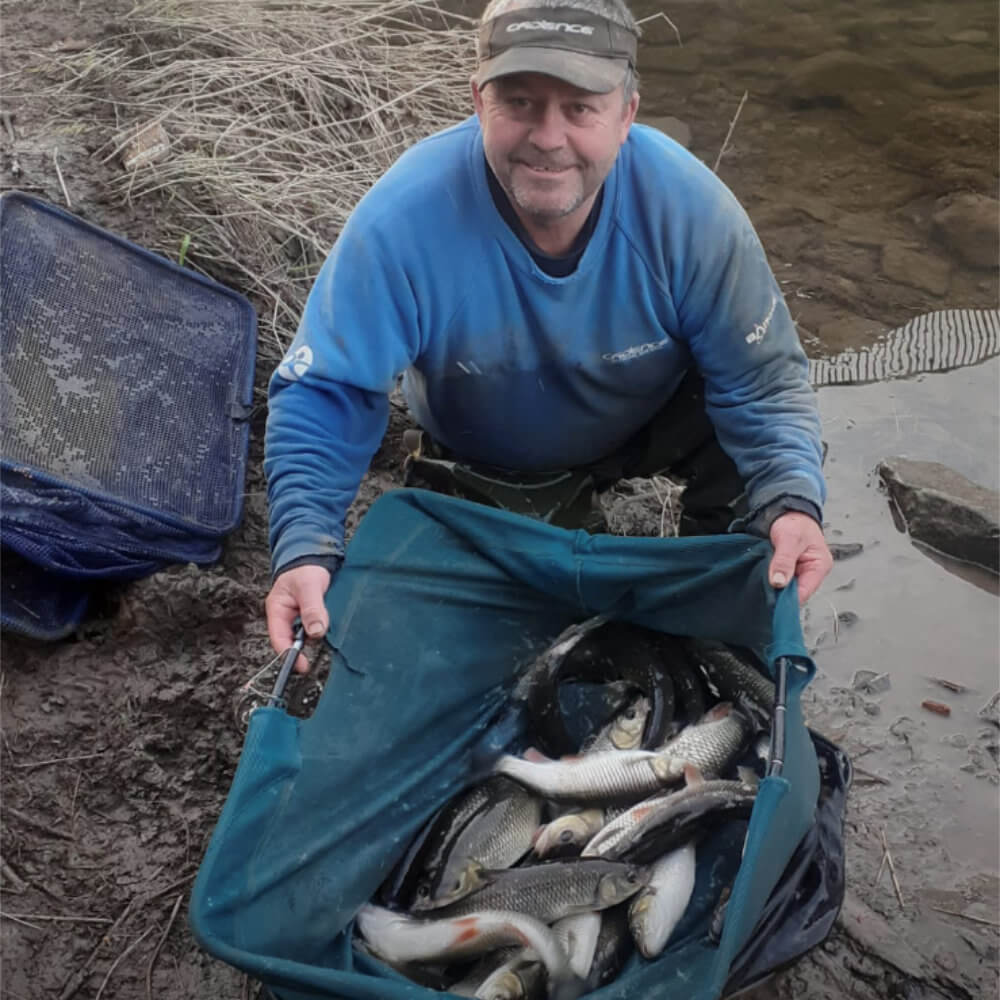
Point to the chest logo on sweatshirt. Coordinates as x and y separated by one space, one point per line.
638 351
296 363
756 335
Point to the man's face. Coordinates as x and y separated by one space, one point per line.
550 144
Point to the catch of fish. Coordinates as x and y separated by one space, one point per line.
540 881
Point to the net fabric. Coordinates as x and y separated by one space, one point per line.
121 373
125 388
438 605
38 604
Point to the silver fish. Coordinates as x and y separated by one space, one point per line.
656 911
610 836
399 939
605 777
556 889
520 978
578 936
567 834
733 674
496 838
682 817
624 732
711 746
482 970
614 945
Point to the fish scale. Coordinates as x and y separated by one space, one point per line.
499 836
710 746
549 892
610 776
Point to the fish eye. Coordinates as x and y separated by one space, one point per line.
566 837
632 877
630 713
423 890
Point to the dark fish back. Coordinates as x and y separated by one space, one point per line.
431 849
687 819
614 947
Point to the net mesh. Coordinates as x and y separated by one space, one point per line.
121 374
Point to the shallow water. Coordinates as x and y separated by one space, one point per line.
919 617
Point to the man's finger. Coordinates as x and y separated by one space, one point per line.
782 568
315 619
809 581
280 618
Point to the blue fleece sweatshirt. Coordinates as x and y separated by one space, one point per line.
510 367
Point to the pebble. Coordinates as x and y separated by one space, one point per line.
937 707
957 740
945 960
872 708
844 550
870 682
862 678
990 712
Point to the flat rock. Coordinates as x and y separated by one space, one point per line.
990 712
828 79
950 146
912 265
956 66
946 511
971 36
967 224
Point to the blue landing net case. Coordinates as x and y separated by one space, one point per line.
439 605
125 390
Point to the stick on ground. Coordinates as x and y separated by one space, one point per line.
892 870
114 965
76 980
732 125
967 916
62 183
159 945
55 918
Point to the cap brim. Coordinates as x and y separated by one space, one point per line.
594 73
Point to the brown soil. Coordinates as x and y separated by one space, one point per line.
119 744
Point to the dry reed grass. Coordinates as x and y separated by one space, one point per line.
281 114
643 507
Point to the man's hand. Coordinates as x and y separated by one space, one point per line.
800 550
297 593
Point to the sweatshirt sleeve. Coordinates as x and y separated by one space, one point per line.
744 343
328 399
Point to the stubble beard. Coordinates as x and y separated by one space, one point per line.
543 207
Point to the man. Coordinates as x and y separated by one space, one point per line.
572 298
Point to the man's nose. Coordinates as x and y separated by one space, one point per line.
549 129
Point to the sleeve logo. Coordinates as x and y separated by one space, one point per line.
756 335
296 363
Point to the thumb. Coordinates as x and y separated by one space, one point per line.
782 567
312 611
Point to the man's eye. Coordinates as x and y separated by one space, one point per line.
579 110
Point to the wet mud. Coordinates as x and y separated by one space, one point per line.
865 125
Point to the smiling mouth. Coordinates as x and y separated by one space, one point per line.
542 169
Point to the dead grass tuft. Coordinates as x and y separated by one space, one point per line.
280 116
